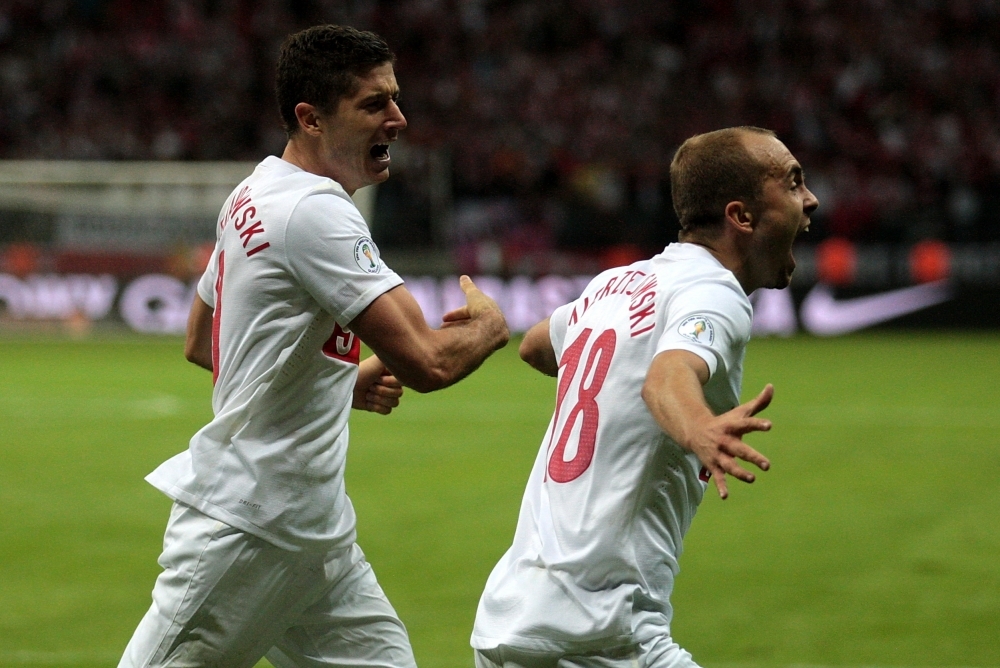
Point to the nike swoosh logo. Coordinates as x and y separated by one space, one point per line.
824 315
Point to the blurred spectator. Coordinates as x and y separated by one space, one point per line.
560 117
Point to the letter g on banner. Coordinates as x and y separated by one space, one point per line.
156 304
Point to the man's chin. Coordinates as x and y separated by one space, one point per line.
378 175
782 281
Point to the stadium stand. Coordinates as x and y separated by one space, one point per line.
557 119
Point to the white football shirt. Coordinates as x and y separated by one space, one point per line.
610 496
293 265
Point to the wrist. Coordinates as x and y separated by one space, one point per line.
502 332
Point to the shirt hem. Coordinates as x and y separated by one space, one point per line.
369 295
710 356
219 513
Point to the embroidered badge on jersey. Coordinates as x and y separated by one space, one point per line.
698 328
366 255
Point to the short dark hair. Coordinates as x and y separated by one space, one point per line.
321 65
711 170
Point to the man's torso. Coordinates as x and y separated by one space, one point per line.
293 265
610 496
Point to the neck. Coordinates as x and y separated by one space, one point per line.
300 152
726 252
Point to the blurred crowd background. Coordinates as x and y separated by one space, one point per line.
548 125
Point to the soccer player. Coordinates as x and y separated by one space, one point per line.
649 363
259 554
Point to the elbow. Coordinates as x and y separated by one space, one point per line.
430 382
531 354
647 394
427 378
540 359
196 355
525 351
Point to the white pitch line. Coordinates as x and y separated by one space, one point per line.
151 407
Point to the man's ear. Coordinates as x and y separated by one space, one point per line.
740 217
308 117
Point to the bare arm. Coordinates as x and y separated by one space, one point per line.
430 359
673 392
198 345
536 349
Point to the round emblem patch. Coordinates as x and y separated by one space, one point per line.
366 255
698 328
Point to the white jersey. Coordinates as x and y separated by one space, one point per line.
293 265
610 496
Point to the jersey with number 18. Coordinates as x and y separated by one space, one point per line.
610 496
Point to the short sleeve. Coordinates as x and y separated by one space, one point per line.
206 284
330 251
711 319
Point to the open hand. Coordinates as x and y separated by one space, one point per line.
719 444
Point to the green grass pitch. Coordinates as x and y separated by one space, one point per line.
873 541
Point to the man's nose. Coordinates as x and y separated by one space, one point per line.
810 203
396 118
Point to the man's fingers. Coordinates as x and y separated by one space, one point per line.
383 394
738 449
760 402
387 391
380 403
381 391
725 463
747 425
466 284
389 380
732 468
720 483
386 402
378 408
461 313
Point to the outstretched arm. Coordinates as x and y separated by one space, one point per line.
536 349
673 392
198 344
428 359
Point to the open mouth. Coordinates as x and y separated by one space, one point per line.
379 152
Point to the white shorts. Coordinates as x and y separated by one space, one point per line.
660 652
226 598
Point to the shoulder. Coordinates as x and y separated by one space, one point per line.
327 197
325 204
691 270
285 186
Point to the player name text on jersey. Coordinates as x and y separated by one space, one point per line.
243 203
642 316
